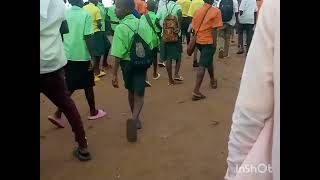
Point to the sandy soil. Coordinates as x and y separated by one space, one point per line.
179 141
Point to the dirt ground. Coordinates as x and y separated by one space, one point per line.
179 141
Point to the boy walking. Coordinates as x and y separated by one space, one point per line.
134 78
205 22
171 50
78 71
151 20
98 40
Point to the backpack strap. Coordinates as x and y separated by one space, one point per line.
203 20
150 23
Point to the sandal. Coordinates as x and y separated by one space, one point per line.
132 134
180 78
57 121
81 156
158 76
147 84
100 114
196 97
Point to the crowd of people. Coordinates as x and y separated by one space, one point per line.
75 46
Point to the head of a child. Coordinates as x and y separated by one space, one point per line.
78 3
152 5
95 2
209 1
124 8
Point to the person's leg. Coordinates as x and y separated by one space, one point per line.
200 75
213 82
91 101
221 42
138 104
96 65
131 100
250 32
54 87
227 36
155 62
169 71
58 112
240 39
105 56
177 69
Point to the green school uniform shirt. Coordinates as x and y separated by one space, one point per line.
154 39
80 25
103 15
113 17
122 38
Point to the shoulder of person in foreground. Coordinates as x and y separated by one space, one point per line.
255 102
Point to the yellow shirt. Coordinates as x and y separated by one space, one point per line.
94 11
185 4
195 5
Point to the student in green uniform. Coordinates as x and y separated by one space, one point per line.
112 18
134 79
156 29
78 71
99 44
171 51
107 44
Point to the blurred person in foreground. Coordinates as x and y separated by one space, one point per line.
255 133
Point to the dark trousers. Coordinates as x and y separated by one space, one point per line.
54 87
248 29
184 27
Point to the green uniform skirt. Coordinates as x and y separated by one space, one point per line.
169 51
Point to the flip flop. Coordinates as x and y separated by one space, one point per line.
132 134
161 64
96 79
158 76
102 73
170 84
196 97
56 121
180 78
81 156
100 114
147 84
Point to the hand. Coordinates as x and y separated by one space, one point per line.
115 83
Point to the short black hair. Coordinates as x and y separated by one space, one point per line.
75 2
128 4
208 1
151 5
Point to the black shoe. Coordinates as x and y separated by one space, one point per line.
132 134
139 124
195 64
81 156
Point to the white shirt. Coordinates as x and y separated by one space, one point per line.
52 55
233 21
259 95
248 7
161 4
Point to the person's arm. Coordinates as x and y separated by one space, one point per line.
89 43
115 82
214 35
98 18
64 29
255 102
179 13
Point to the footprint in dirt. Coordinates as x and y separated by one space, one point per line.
213 123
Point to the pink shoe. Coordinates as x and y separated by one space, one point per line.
100 114
59 122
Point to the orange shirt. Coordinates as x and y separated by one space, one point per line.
212 20
141 6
